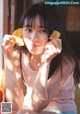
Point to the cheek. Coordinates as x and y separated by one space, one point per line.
25 36
44 41
27 40
44 38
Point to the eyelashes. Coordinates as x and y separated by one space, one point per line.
29 30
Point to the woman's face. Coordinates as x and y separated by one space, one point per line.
35 37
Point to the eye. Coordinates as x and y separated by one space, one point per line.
28 30
43 31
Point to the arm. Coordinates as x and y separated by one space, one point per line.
40 95
14 89
53 86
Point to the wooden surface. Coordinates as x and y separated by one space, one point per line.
77 96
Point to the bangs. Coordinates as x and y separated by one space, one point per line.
47 17
30 21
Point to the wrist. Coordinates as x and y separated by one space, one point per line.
45 64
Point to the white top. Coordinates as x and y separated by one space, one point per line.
64 101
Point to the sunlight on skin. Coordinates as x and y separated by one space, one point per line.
16 62
59 46
17 75
16 54
2 85
0 77
9 66
37 96
17 101
42 78
29 44
16 91
26 60
54 47
9 94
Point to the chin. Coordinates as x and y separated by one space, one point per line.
35 53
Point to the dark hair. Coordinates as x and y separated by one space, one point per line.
48 17
51 21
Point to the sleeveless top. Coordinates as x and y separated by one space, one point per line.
64 100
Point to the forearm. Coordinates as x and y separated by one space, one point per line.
13 88
14 92
39 93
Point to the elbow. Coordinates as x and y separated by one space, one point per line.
39 101
39 106
16 104
17 101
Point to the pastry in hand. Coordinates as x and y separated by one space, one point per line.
55 34
18 38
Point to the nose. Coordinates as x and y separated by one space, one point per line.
34 36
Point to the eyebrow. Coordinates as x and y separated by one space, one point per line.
34 26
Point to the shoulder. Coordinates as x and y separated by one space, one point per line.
68 67
68 62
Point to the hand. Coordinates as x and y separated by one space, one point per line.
7 45
52 48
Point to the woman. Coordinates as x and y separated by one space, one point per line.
46 67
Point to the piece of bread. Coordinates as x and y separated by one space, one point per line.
18 38
55 34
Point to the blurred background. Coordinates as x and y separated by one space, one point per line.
10 14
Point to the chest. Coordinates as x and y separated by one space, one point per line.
29 75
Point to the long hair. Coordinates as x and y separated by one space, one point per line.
51 21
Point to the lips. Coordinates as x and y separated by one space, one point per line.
35 45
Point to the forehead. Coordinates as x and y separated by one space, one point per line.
37 21
34 21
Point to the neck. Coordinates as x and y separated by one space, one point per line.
35 61
35 57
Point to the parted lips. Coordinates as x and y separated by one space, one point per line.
18 38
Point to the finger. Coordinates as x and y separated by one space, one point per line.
4 44
7 37
58 44
51 48
51 51
7 40
57 41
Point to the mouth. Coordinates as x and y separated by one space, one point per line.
35 45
